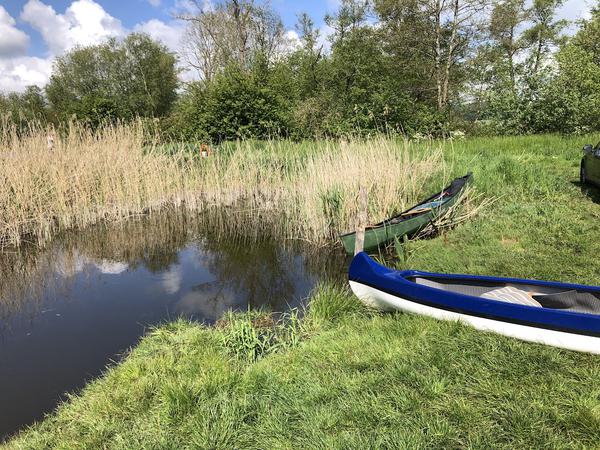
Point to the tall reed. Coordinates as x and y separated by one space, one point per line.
299 191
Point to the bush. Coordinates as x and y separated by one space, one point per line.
235 105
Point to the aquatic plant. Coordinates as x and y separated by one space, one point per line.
247 189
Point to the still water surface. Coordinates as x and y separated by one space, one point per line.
72 308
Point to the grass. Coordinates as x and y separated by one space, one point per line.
304 191
342 376
349 379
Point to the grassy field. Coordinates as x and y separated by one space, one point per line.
346 377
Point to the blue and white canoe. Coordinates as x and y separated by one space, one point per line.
557 314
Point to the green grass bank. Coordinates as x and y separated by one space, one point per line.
346 377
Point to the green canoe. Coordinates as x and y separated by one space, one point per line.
411 220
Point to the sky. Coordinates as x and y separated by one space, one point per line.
34 32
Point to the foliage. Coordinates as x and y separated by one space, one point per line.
22 110
235 105
413 67
114 80
231 33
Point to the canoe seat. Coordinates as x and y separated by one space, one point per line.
584 302
511 294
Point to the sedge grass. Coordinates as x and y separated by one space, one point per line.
292 192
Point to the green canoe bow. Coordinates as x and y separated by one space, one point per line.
406 223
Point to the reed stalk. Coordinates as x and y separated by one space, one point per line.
251 189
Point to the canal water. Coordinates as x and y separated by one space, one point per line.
72 308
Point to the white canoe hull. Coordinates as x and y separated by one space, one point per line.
387 302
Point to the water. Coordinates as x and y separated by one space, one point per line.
69 310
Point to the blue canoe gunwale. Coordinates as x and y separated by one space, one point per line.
365 271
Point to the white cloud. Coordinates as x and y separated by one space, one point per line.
13 42
154 3
575 10
171 280
19 72
293 40
169 34
85 22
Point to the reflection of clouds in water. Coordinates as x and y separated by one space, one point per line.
110 267
171 280
207 305
69 264
196 258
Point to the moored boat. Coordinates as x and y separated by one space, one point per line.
411 220
557 314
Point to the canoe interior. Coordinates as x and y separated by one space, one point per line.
409 221
530 294
438 200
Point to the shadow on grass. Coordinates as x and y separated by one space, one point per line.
589 190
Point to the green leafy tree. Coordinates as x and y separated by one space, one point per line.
440 33
545 31
234 105
571 101
588 37
505 20
115 80
23 109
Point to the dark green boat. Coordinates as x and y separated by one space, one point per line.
411 220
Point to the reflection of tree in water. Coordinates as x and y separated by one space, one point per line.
24 274
30 272
259 274
254 271
151 241
255 275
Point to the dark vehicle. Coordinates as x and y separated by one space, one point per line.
590 165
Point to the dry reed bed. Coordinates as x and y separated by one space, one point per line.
293 191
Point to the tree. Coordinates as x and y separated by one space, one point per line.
545 31
588 37
505 20
571 101
232 32
234 105
24 109
444 32
350 16
115 80
307 58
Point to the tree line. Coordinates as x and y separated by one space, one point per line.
408 66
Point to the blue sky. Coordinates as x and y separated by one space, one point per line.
34 32
133 12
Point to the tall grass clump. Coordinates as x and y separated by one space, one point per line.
88 176
252 335
299 191
309 191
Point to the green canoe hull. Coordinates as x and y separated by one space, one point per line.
386 231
